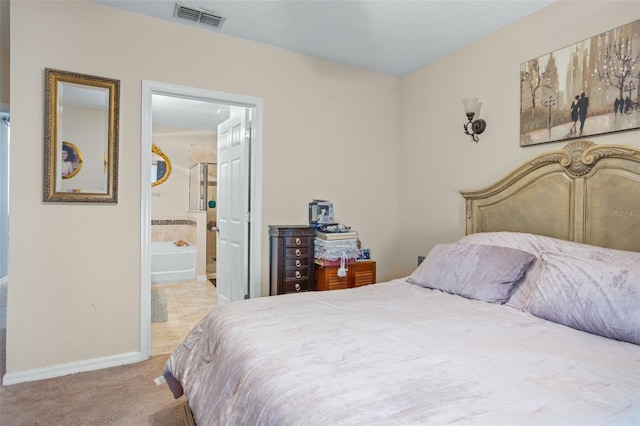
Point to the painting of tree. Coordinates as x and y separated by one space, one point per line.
586 89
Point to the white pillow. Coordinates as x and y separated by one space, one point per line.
473 271
589 295
537 244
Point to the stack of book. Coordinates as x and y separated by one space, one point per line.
333 236
334 245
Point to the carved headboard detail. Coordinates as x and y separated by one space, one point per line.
583 192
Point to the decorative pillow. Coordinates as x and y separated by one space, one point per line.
473 271
538 244
589 295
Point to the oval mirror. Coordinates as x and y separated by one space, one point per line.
160 166
71 160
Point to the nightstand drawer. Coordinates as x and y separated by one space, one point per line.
358 274
296 286
297 252
296 241
297 263
334 282
296 274
365 273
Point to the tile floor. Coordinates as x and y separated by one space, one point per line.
187 303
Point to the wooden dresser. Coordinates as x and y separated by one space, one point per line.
291 251
362 272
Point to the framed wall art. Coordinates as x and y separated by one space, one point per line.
586 89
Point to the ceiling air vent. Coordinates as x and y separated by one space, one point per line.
196 15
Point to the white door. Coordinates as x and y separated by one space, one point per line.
232 281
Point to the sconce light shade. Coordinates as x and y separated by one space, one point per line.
472 106
472 109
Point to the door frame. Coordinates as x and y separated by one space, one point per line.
5 118
150 88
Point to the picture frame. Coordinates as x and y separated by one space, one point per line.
80 138
320 212
365 254
587 89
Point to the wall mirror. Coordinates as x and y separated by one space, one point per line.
160 166
81 137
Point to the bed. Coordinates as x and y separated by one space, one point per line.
533 317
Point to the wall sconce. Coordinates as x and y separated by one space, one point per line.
472 109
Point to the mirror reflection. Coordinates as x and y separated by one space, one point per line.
83 109
160 166
71 160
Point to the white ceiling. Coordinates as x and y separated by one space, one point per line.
187 113
390 36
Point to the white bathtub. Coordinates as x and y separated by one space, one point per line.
172 263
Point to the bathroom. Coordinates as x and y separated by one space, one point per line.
183 218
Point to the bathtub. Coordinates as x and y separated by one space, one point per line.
172 263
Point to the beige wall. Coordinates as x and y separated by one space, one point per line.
330 131
4 51
183 148
438 159
4 77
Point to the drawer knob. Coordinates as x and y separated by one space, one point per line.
298 252
298 263
298 274
297 287
298 241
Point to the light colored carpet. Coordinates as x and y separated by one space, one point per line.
159 311
118 396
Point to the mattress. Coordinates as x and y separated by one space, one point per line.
396 353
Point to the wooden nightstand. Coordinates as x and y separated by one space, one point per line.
291 267
360 273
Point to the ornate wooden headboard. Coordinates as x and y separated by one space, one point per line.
583 192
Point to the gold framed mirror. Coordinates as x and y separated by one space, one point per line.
160 166
84 109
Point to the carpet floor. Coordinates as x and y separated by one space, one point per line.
125 395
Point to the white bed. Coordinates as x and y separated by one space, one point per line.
497 328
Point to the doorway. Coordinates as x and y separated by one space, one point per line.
253 192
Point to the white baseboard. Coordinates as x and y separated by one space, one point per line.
202 278
71 368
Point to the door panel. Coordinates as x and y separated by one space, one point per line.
233 206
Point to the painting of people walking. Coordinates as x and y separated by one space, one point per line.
586 89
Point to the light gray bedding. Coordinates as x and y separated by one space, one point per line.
399 354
